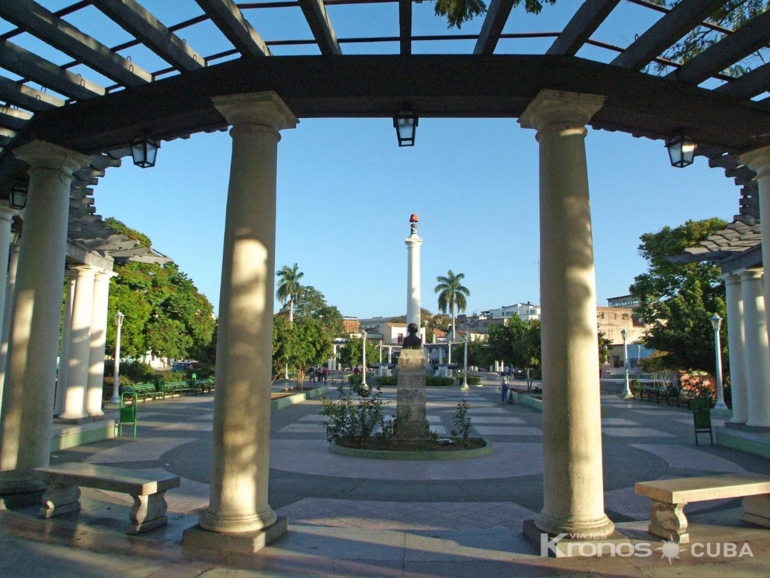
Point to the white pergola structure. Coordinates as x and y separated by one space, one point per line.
48 138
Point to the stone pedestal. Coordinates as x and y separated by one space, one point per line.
410 400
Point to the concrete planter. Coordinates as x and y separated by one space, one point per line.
406 455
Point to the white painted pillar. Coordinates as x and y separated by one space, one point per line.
413 243
572 440
94 389
736 342
441 356
7 273
757 354
80 344
241 431
25 437
66 337
759 161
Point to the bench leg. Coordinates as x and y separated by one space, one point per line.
148 513
60 499
668 521
756 510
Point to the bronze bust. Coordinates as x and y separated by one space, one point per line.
412 341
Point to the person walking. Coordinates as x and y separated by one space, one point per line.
504 388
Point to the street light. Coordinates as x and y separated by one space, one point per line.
18 197
626 389
405 123
681 149
116 371
363 346
716 323
465 366
144 151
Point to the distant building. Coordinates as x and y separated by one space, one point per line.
525 311
351 324
623 301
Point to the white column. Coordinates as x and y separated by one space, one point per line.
66 337
572 441
757 354
7 275
80 344
25 438
736 343
241 432
95 386
413 243
759 161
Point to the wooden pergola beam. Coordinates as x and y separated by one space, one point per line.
232 23
581 26
492 28
321 27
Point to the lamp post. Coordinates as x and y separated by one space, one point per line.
626 389
363 369
716 323
465 366
116 372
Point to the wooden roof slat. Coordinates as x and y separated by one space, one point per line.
13 117
33 18
583 24
492 28
750 37
136 20
26 97
405 26
750 84
323 31
231 22
679 21
31 66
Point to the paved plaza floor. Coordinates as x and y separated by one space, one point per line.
360 517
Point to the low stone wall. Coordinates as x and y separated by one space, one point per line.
69 436
299 397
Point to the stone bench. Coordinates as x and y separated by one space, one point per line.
669 498
147 488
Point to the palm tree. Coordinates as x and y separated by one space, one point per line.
451 295
289 288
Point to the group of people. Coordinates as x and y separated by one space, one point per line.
319 374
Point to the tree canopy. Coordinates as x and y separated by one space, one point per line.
165 314
351 354
677 300
459 11
299 345
451 294
517 343
289 289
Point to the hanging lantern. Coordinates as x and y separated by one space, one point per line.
144 150
405 123
681 150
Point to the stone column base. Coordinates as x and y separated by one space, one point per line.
574 546
247 542
18 490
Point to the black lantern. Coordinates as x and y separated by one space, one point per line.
405 123
681 149
18 198
143 151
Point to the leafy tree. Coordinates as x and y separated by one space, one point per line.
517 343
289 288
451 294
312 303
732 15
351 353
165 314
459 11
299 345
678 299
604 347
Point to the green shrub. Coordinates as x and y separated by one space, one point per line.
355 379
386 380
636 386
474 380
355 422
462 421
434 380
130 371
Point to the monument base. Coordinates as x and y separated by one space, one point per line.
411 423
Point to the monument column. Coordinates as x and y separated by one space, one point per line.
95 383
241 429
80 345
66 337
413 243
736 341
25 434
757 355
572 441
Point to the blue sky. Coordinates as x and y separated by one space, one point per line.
345 189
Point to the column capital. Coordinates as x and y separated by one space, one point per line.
7 213
757 160
748 274
44 155
732 278
552 107
260 108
